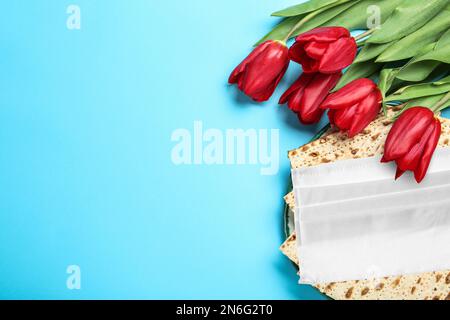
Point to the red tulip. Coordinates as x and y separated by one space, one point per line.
354 106
325 50
259 74
307 93
412 141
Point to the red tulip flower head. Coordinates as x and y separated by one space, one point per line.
306 94
324 50
259 74
354 106
412 141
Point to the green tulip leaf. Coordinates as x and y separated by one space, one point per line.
442 104
282 29
323 18
407 18
356 16
356 71
349 14
444 40
304 8
418 71
387 77
412 44
442 81
420 90
426 102
421 67
371 50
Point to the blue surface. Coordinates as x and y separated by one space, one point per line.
87 179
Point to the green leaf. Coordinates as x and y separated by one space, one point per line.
418 71
412 44
408 17
442 81
427 102
444 40
442 104
387 77
371 50
325 16
356 71
356 17
303 8
426 49
282 29
419 68
420 90
349 14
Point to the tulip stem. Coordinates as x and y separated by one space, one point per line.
441 104
361 43
365 34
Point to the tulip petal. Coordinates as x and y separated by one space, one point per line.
264 95
366 112
428 152
263 74
339 55
323 34
344 117
234 77
296 88
410 160
316 50
314 94
406 132
350 94
398 173
295 101
326 49
298 54
311 118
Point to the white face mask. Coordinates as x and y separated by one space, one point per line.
355 222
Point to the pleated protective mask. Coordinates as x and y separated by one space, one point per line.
354 221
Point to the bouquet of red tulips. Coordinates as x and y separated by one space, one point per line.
402 59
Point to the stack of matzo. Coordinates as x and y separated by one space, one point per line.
336 146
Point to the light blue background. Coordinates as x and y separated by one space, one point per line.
86 176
